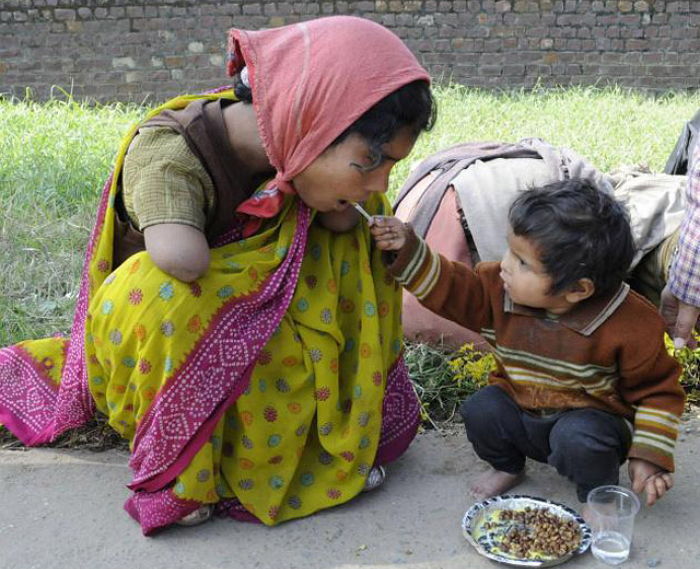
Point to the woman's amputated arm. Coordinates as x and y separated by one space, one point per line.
179 250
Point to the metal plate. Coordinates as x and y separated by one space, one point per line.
486 541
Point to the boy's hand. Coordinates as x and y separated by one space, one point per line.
389 232
648 477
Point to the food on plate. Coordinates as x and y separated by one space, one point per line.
532 533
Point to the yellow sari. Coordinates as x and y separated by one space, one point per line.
269 387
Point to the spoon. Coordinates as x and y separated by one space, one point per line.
363 213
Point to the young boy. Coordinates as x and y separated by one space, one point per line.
583 379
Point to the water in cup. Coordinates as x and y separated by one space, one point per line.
611 547
611 512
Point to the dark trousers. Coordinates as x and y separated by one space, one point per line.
585 445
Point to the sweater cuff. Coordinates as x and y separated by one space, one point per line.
415 266
655 433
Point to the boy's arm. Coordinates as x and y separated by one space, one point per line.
650 382
447 288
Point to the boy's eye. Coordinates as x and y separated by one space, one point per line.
519 259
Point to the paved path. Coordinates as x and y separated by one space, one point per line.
63 509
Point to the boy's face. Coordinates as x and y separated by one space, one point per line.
525 278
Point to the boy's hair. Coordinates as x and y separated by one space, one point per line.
579 232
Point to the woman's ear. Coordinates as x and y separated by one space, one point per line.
580 290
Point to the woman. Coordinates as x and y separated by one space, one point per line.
252 353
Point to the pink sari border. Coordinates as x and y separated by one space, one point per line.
157 510
401 414
217 371
233 508
27 404
203 435
31 406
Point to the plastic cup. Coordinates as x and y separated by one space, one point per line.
612 510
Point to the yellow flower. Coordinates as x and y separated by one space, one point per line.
470 365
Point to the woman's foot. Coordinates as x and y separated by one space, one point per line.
199 516
375 478
494 482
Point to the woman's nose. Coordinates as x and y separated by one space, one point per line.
378 182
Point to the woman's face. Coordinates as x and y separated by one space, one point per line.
337 178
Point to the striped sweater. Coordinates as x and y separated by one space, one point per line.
606 353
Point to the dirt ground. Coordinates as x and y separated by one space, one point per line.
63 508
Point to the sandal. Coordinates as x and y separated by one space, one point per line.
199 516
375 478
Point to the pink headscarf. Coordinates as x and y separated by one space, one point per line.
312 80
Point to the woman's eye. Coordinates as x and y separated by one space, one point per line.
368 163
372 163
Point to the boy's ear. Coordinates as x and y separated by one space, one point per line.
580 290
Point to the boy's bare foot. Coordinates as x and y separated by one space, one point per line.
494 482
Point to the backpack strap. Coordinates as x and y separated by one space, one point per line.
451 162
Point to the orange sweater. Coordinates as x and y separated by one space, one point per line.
607 352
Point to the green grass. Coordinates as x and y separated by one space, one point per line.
55 157
444 378
610 127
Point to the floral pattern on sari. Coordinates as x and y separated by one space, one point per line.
270 386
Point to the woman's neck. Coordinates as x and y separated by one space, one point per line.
244 137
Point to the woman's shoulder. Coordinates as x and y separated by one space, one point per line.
158 140
162 147
164 182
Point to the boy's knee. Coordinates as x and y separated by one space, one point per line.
478 405
576 447
483 409
582 437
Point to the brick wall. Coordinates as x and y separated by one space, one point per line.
134 50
